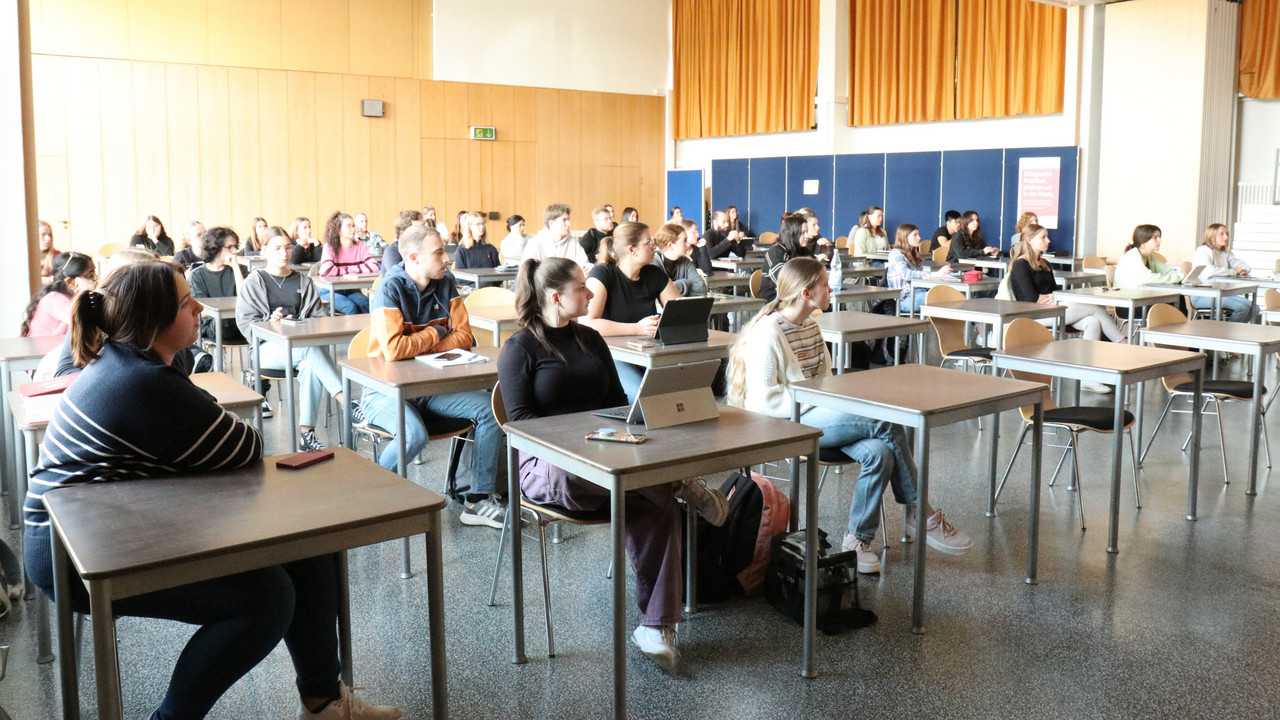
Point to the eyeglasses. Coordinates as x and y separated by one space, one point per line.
233 246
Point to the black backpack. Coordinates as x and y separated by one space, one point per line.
738 550
838 607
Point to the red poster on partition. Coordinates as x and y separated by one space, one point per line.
1038 188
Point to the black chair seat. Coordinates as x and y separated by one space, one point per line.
448 426
601 515
1238 389
833 456
1094 418
983 353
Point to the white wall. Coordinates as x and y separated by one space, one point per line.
1259 140
620 46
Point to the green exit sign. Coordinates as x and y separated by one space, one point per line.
483 133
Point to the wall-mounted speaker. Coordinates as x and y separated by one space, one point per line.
371 108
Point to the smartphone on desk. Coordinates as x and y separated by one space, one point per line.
641 344
448 357
608 435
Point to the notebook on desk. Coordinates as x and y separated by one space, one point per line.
671 395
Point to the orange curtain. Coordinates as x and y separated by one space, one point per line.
901 61
1010 57
1260 49
743 66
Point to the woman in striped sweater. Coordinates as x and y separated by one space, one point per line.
342 255
105 430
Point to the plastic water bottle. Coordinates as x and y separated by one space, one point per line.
835 273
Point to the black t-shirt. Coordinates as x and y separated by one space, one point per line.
590 242
303 254
941 234
284 293
1027 284
536 383
479 255
630 301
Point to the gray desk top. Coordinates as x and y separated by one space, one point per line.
1216 330
218 305
28 348
1114 357
404 373
922 390
851 322
312 328
991 306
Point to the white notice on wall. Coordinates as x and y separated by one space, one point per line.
810 187
1038 188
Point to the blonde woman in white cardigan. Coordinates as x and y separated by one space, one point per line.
782 345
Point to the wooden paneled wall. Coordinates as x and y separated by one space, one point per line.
120 139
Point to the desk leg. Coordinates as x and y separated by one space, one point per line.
1117 448
66 635
217 341
435 622
922 462
10 449
106 662
290 398
344 617
794 523
347 437
1140 391
402 463
617 500
1033 524
29 454
517 560
1255 434
809 667
690 568
1193 482
995 448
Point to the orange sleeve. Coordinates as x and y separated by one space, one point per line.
395 339
461 337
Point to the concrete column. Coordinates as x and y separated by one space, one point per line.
18 273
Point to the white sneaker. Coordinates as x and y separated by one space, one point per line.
940 534
1095 388
659 643
868 560
710 504
350 707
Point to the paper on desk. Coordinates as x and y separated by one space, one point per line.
452 358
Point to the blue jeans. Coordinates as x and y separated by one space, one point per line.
1241 308
348 302
881 449
913 302
315 373
242 618
380 410
630 376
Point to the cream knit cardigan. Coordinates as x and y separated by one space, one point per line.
771 367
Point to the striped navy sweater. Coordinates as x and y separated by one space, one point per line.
129 416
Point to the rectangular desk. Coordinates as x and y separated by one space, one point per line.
1131 299
1079 278
860 272
405 380
129 538
727 281
740 266
485 277
1000 265
1258 341
337 283
862 293
996 313
738 438
923 397
1214 291
1066 262
849 326
969 290
312 332
735 306
218 309
715 348
497 319
17 354
1118 365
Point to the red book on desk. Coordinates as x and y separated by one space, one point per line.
47 387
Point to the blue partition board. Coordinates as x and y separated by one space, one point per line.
822 169
912 191
684 190
768 194
1063 238
971 181
730 185
859 185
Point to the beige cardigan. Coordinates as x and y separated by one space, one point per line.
771 367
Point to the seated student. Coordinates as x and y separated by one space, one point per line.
106 430
696 243
417 310
735 223
625 288
676 214
672 241
429 220
782 345
553 366
793 242
253 240
189 246
1220 262
822 247
629 214
474 251
602 221
870 237
371 239
306 249
967 242
391 253
277 293
342 255
721 241
1031 280
49 313
1139 265
950 226
906 264
221 276
47 251
1025 219
555 240
153 237
512 246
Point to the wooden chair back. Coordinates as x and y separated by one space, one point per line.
1185 267
359 347
950 332
767 238
940 254
1093 262
926 247
1160 257
110 249
754 283
1021 332
490 296
495 404
842 242
1271 298
1165 314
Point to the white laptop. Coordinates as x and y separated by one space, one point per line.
671 395
1193 277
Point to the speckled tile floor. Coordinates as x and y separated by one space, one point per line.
1180 624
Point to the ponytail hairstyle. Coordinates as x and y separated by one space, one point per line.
968 240
798 275
877 231
628 234
464 222
669 233
333 231
791 232
1142 234
513 221
900 242
536 279
66 266
1028 253
134 305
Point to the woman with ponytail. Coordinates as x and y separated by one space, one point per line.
553 366
107 429
783 345
49 313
